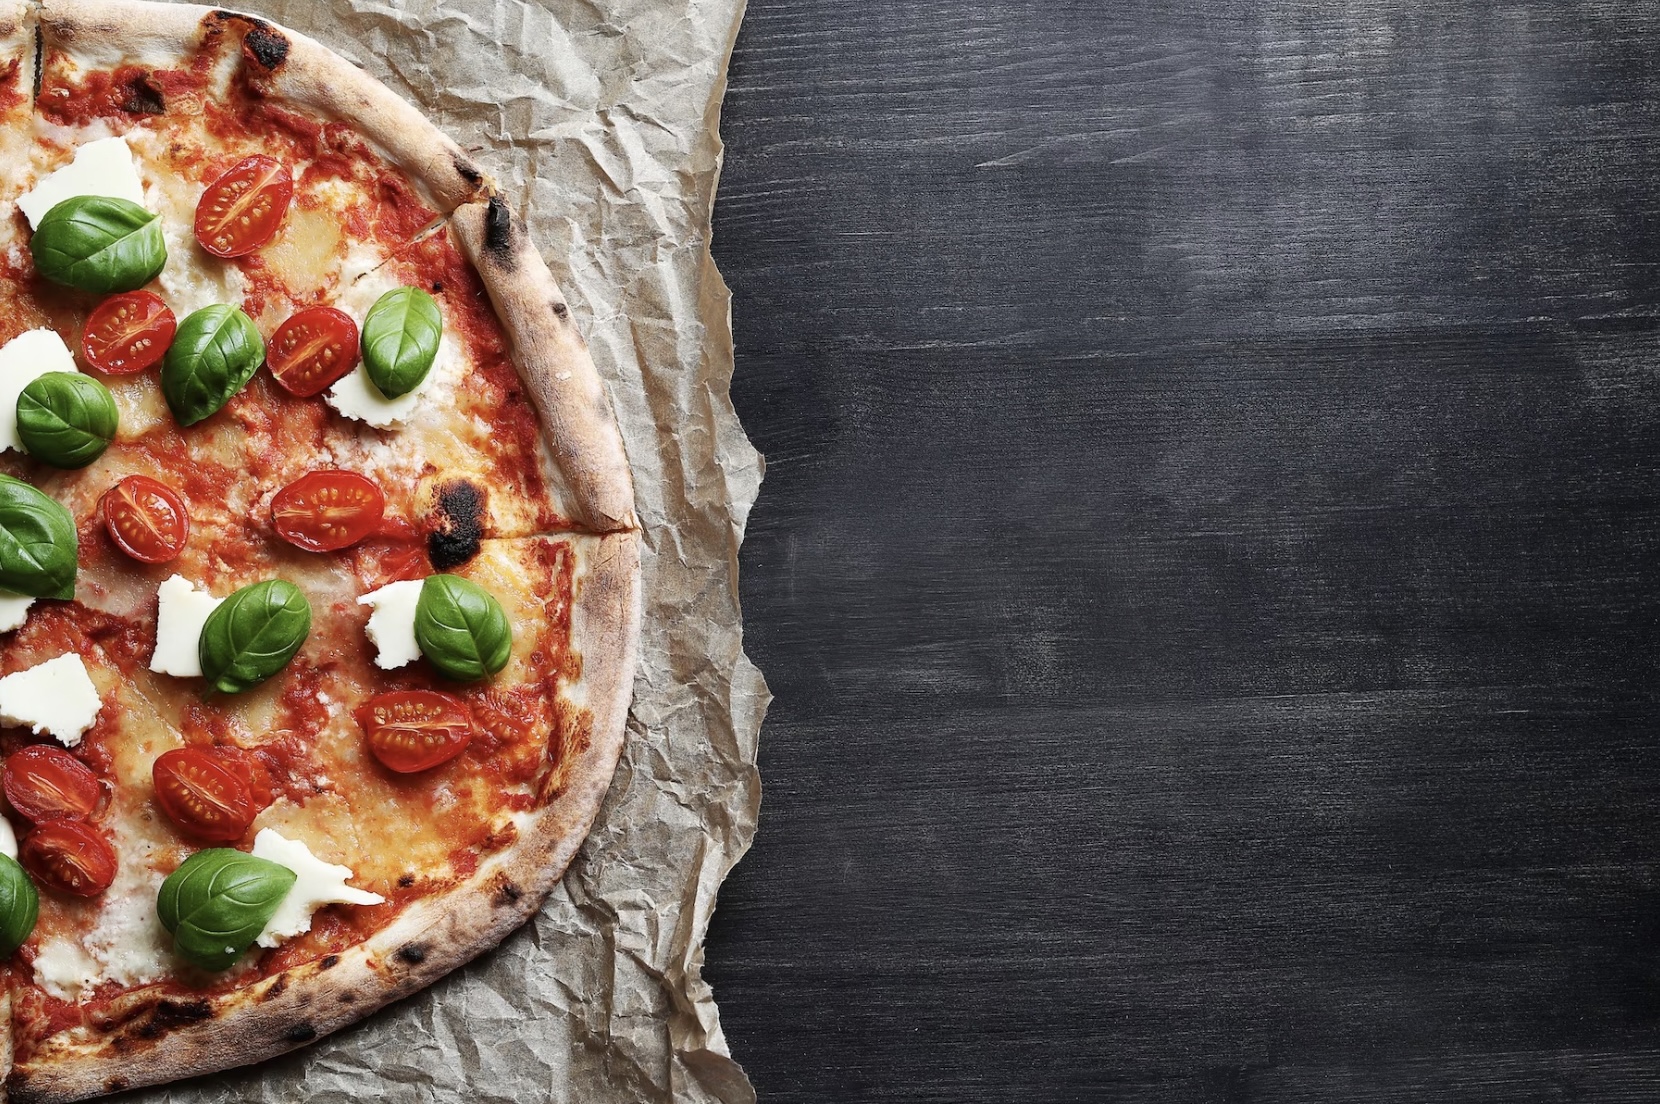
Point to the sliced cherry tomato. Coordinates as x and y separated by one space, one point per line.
44 783
416 730
202 794
241 210
326 510
312 350
69 855
145 519
128 333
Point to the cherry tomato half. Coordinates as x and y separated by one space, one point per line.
327 510
128 333
242 209
416 730
202 795
312 350
146 519
69 855
43 783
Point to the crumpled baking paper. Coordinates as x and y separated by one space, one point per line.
599 118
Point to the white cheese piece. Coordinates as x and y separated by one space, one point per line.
392 626
316 883
56 697
8 839
24 359
356 396
100 168
14 610
181 611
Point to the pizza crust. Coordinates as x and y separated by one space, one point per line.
553 359
179 1037
282 63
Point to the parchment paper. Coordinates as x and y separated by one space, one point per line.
600 118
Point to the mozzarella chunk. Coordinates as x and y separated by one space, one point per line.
181 611
14 610
101 168
8 839
56 697
392 626
356 396
24 359
316 883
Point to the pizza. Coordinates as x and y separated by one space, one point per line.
319 563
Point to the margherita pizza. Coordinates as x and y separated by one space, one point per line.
319 568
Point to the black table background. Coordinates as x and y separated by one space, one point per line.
1207 562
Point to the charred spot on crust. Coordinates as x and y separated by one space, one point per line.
460 525
466 170
507 893
498 234
115 1084
348 997
561 311
173 1013
276 988
300 1033
413 953
329 962
405 881
143 97
40 60
266 46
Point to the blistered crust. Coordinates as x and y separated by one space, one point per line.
279 62
180 1037
553 359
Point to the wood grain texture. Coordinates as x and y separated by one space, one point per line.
1208 560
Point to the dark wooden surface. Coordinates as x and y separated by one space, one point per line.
1208 559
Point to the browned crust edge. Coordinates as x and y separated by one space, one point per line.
431 938
286 64
553 361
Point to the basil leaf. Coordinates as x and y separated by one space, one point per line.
38 547
253 634
19 905
461 628
218 901
66 419
100 244
215 352
400 340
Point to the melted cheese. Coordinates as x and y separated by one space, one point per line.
24 359
181 611
101 168
14 610
392 624
119 937
55 697
316 883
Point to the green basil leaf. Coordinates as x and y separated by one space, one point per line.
38 547
218 901
215 352
66 419
461 628
400 340
19 905
99 244
253 634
